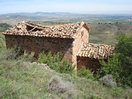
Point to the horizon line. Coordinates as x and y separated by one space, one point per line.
86 13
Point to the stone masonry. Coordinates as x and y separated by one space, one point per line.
70 40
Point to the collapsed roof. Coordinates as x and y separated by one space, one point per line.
96 51
60 31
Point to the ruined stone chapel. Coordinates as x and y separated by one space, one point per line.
72 40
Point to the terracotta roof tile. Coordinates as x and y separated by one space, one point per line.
96 51
31 29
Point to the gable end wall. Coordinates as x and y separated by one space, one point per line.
82 37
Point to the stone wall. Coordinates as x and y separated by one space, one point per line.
68 47
82 37
92 64
39 44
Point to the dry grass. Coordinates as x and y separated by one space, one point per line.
23 80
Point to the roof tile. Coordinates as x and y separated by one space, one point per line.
30 29
97 51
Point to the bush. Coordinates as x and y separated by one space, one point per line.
56 63
4 26
120 63
83 72
116 91
112 66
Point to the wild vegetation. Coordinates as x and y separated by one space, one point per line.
56 63
120 64
21 78
107 33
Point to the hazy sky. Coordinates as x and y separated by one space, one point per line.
76 6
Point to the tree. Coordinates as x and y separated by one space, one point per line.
120 63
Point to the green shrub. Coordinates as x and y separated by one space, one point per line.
83 72
2 42
55 62
120 63
6 90
4 26
93 96
112 66
116 91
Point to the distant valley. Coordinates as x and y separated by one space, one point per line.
103 28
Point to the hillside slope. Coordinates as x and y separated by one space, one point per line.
23 80
20 79
107 33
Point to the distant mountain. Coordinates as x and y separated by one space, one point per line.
58 15
13 18
38 15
